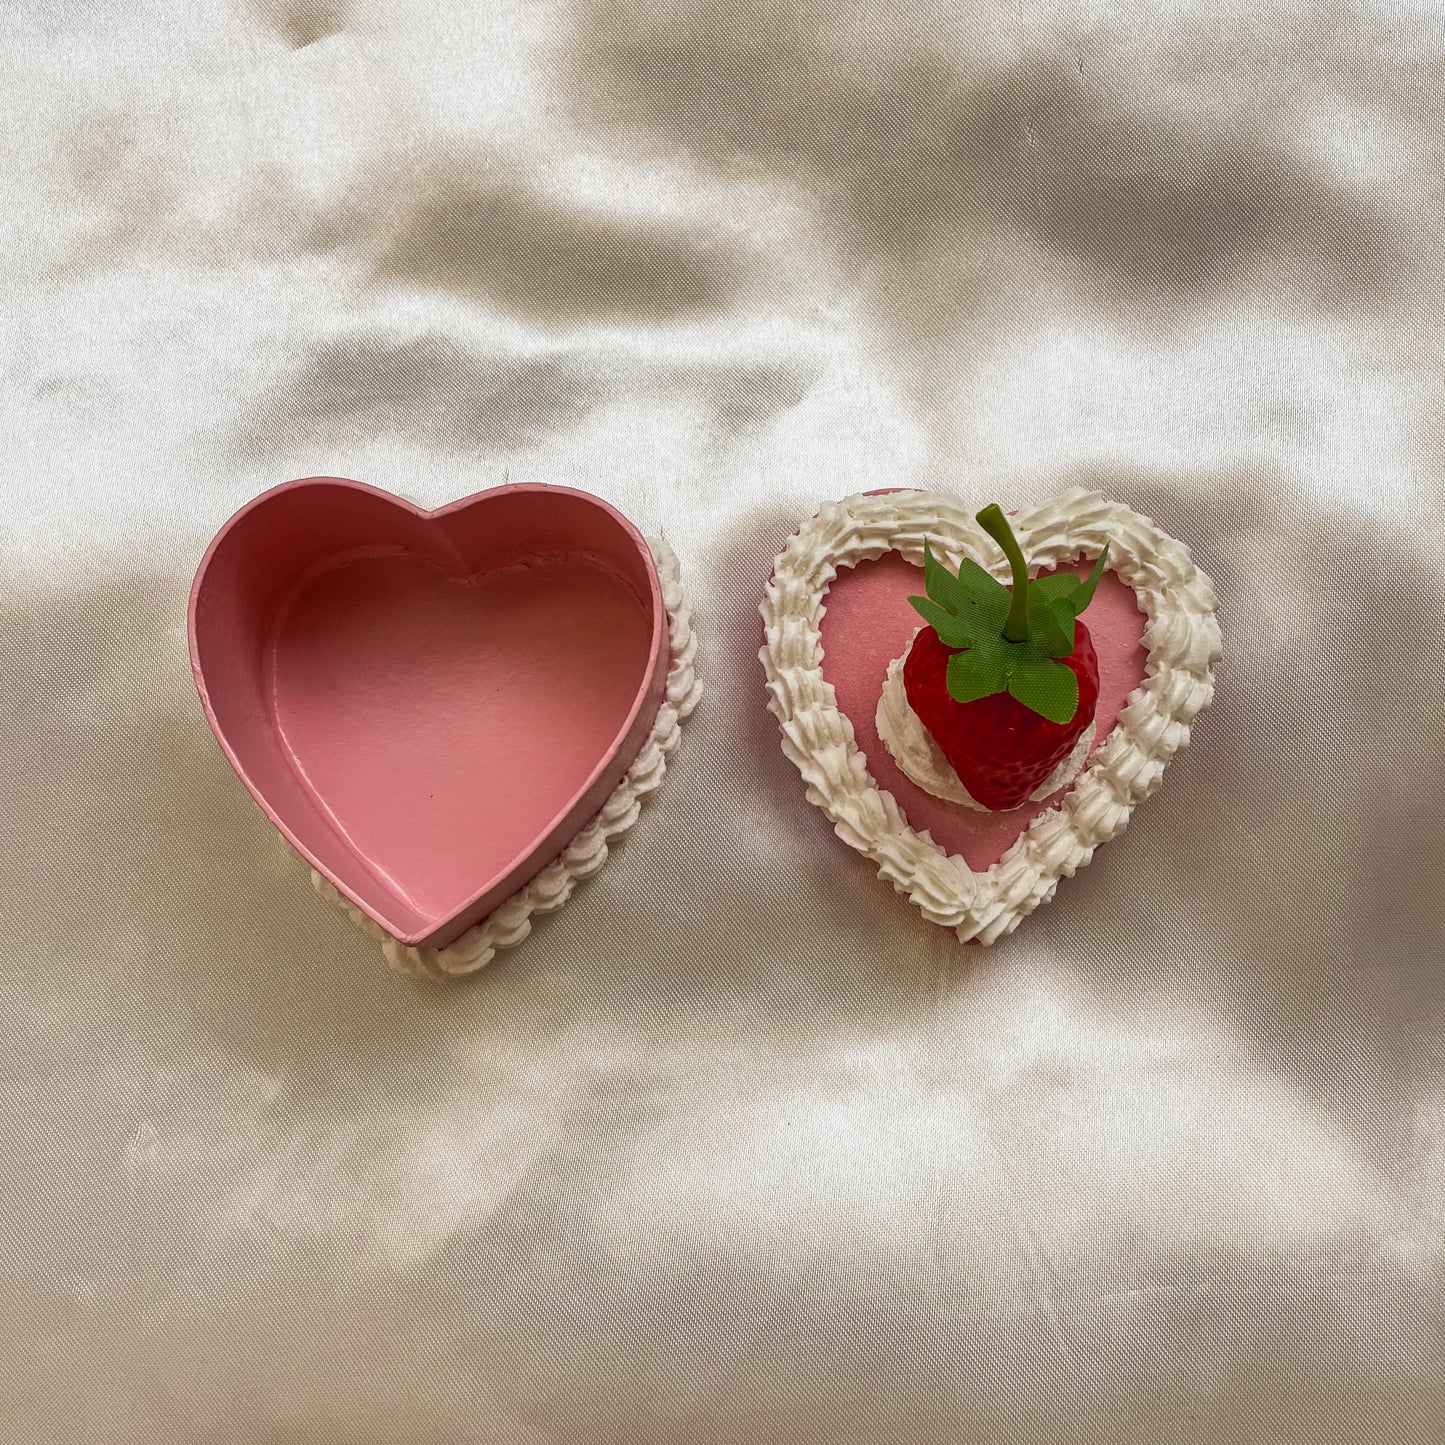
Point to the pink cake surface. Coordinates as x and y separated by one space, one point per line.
868 621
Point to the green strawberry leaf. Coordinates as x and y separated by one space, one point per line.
1043 686
933 613
1086 592
1058 586
1051 629
984 593
977 673
965 630
961 608
971 589
942 586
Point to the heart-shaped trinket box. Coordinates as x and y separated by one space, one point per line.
447 713
836 613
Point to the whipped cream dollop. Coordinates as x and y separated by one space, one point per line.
923 761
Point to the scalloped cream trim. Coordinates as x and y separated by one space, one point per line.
511 921
1181 636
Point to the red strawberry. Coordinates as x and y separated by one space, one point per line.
1005 681
1000 749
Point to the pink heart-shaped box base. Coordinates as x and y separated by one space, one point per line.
429 705
869 622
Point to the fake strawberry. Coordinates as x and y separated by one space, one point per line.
1005 681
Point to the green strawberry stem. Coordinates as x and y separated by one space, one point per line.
993 521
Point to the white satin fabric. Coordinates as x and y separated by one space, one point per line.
735 1148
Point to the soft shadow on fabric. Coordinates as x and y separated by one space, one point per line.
814 1360
129 191
470 234
302 22
919 154
467 224
434 390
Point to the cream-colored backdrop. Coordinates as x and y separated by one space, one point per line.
735 1148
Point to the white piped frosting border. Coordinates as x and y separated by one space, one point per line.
1181 635
511 921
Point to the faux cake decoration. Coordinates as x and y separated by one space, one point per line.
981 757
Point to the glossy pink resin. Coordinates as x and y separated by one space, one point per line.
429 705
868 622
